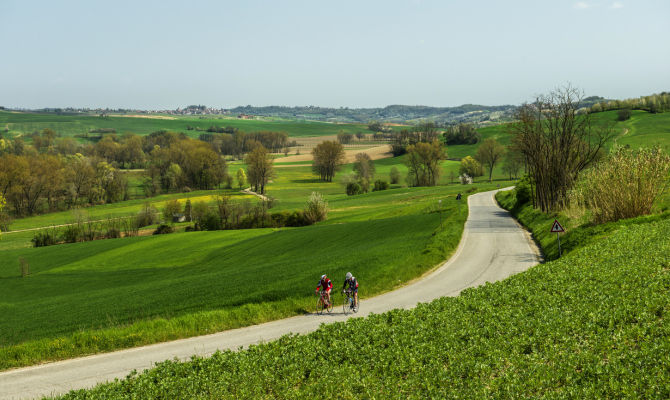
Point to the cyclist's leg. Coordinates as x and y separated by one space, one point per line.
328 295
356 297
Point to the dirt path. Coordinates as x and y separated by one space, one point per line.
492 248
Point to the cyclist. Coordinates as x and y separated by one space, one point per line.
326 285
351 281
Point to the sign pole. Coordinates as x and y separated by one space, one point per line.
556 227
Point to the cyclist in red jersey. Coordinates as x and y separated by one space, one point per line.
326 285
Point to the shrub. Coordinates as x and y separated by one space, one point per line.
316 209
172 207
25 267
623 115
163 229
380 185
211 222
624 185
72 233
354 188
147 216
523 192
44 238
395 176
465 179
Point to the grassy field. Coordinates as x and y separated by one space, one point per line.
70 125
97 296
593 324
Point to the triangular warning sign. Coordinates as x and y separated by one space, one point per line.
557 227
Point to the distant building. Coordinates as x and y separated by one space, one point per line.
245 116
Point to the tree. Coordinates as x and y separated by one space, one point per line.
512 164
423 163
241 178
557 144
344 138
172 207
328 159
394 175
188 210
470 167
259 168
461 134
364 168
489 153
3 203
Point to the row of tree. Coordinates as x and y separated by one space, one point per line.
45 182
654 104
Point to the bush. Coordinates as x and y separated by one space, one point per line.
316 209
354 188
44 238
523 192
624 185
163 229
380 185
211 222
172 207
147 216
395 176
72 233
623 115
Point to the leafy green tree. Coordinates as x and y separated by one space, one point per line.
172 207
394 175
328 159
364 168
241 178
489 153
259 168
423 163
470 167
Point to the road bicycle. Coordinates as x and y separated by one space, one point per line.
349 300
321 303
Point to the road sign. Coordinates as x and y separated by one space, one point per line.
556 227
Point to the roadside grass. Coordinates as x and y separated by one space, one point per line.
91 297
593 324
578 231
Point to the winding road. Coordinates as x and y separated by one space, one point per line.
492 248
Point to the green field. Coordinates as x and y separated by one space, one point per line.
98 296
70 125
593 324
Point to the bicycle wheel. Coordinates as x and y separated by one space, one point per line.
330 306
319 306
346 306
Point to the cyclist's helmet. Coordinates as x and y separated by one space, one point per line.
348 275
323 276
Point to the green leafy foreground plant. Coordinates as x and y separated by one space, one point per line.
593 324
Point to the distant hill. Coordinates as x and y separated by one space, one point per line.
393 113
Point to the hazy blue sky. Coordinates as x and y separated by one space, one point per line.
164 54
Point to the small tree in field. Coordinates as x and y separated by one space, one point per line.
172 207
489 153
25 268
394 175
259 168
471 167
316 209
188 210
328 159
241 178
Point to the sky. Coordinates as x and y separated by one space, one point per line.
169 54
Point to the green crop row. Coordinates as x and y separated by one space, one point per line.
593 324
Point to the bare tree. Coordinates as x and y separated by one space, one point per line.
489 153
423 163
556 144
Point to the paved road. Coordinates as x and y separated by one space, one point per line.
493 247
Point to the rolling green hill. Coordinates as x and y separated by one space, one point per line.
97 296
593 324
